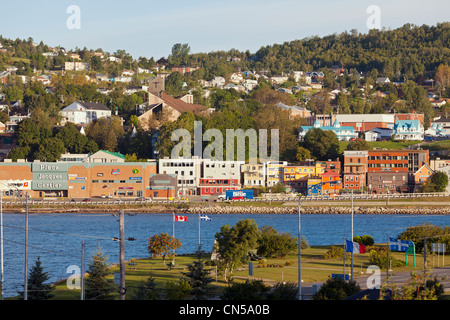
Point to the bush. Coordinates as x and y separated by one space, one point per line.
364 240
250 290
335 253
336 289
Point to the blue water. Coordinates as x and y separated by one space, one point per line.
57 238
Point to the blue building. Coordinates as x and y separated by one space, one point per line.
343 133
408 130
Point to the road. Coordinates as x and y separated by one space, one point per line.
400 278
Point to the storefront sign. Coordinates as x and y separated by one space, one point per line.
15 184
115 171
50 176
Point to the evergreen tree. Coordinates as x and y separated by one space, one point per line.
198 278
147 290
37 288
97 286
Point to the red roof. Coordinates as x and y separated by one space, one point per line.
180 105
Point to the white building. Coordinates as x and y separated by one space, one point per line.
187 170
408 130
77 66
253 175
84 112
213 169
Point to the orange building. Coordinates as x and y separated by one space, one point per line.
76 179
331 183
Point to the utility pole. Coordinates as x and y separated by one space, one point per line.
299 250
25 291
82 271
122 254
1 244
425 253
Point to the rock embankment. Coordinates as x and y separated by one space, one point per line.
313 210
245 209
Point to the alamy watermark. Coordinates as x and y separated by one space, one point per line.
234 137
374 20
73 281
74 20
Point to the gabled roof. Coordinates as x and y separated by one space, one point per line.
94 106
180 105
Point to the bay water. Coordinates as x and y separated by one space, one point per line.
57 238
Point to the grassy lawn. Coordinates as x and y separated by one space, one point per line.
437 145
314 269
390 145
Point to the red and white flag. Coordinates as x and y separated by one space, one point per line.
180 218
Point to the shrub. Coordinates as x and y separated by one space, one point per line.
335 253
364 240
336 289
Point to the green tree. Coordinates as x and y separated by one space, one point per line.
37 288
198 278
97 286
249 290
323 144
177 290
336 289
440 181
161 245
234 243
358 144
271 243
147 290
180 53
302 154
50 150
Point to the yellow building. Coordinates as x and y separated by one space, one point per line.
296 177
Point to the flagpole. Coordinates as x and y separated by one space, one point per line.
387 258
352 238
173 235
345 250
199 244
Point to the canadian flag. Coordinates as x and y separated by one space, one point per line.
180 218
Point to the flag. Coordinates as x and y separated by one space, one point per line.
400 245
204 217
180 218
355 247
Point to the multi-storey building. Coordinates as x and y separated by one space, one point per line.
211 187
188 172
296 177
213 169
391 167
253 175
355 169
274 172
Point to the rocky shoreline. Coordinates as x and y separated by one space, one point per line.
223 209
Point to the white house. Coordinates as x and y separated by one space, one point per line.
81 112
408 130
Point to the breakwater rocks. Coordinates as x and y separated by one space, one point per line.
313 210
246 209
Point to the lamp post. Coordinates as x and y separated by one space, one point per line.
299 248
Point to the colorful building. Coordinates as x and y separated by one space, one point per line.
355 169
211 187
76 179
296 177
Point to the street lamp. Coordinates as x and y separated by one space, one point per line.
299 247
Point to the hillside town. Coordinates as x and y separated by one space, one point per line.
54 143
